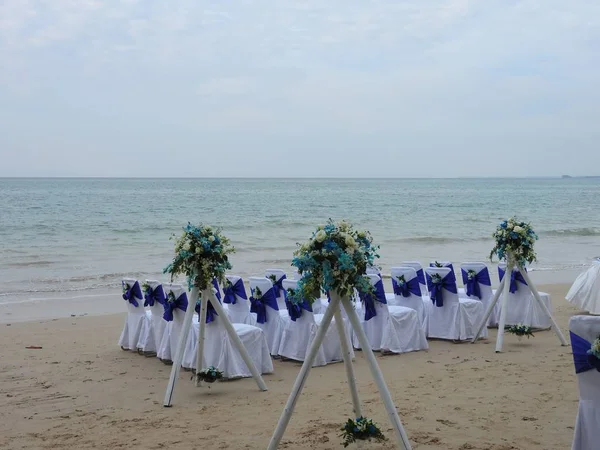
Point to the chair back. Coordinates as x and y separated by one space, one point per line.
157 308
449 297
264 284
483 275
277 276
584 330
136 296
420 274
447 264
306 313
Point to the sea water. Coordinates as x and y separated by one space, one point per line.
79 236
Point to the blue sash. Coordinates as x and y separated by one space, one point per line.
231 290
369 299
436 289
215 284
448 266
582 359
259 305
514 277
421 276
407 288
278 287
210 311
181 302
156 295
472 287
132 293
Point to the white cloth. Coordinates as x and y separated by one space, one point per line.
168 345
220 352
458 318
585 291
587 429
276 322
134 322
154 328
486 292
417 266
412 301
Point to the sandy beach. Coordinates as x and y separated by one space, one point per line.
81 391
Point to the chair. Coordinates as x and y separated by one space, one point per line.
407 292
584 330
447 264
175 307
277 276
234 295
478 286
522 307
263 302
153 330
450 317
395 329
585 291
420 274
301 329
136 314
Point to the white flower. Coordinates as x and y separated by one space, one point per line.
350 250
211 239
350 242
186 246
518 229
321 235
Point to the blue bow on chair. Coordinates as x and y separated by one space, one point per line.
131 293
472 282
406 288
514 277
437 286
210 310
259 305
583 360
369 299
447 266
231 290
278 286
421 276
215 284
156 295
295 309
180 302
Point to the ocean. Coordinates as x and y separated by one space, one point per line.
61 237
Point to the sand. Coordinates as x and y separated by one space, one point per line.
81 391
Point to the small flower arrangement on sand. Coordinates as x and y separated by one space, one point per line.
335 258
361 429
515 239
201 253
210 374
520 330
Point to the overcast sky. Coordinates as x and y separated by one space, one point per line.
299 88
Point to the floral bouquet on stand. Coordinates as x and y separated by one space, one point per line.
514 239
361 429
201 254
210 375
520 330
335 258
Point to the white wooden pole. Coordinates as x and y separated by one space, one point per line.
347 355
201 334
401 436
237 342
537 296
286 415
185 331
504 310
488 312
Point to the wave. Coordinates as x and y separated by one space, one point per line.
434 240
572 232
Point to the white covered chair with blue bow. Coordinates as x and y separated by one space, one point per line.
447 264
236 299
407 292
420 274
522 307
478 286
395 329
302 328
136 314
277 276
220 352
584 331
451 317
263 302
154 328
175 306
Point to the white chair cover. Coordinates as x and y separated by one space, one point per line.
419 269
154 328
413 301
275 322
298 335
136 316
168 346
486 291
457 319
587 425
239 312
585 292
220 352
395 329
523 308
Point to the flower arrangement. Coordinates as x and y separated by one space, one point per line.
436 278
200 254
520 330
471 274
515 239
437 264
595 349
361 429
401 280
210 375
256 293
273 278
335 258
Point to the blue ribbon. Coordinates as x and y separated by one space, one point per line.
369 299
180 302
231 290
472 285
210 311
421 276
156 295
448 266
132 293
259 305
514 277
409 287
436 289
215 284
278 287
582 359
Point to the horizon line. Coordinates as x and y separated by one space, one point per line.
77 177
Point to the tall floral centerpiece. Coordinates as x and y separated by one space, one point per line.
201 254
514 243
334 259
